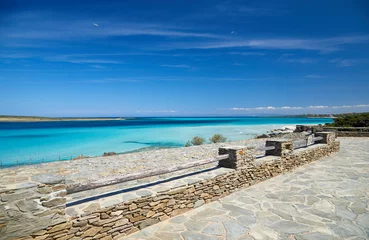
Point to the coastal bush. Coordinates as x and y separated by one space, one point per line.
218 138
351 120
188 144
198 140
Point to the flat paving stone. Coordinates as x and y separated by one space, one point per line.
216 229
324 200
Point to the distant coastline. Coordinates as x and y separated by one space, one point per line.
55 119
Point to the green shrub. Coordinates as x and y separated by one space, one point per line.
188 144
198 140
351 120
218 138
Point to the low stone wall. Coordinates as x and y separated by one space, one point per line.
340 131
124 218
352 134
32 207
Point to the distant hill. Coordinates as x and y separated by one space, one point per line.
7 118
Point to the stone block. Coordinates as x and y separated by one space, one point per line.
282 147
239 156
328 137
309 139
50 179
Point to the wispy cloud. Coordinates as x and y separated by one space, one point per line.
82 60
232 8
139 79
43 26
248 53
315 76
349 62
98 66
299 108
322 45
298 60
176 65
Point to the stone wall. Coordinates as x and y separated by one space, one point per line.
124 218
31 207
340 131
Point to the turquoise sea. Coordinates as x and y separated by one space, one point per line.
36 142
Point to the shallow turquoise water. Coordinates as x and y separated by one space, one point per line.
25 143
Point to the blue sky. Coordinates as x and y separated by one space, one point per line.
183 58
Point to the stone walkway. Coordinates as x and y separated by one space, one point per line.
327 199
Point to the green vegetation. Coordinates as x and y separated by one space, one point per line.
198 140
351 120
188 144
218 138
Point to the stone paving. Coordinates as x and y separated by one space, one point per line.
327 199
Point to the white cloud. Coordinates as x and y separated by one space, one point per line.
349 62
322 45
318 107
297 108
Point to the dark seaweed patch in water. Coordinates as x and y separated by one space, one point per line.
29 136
157 144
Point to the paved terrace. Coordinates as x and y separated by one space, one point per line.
326 199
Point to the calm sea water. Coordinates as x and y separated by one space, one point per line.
35 142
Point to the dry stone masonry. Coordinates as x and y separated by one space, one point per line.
32 207
39 210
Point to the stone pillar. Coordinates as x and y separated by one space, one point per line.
239 156
282 147
31 206
328 137
309 139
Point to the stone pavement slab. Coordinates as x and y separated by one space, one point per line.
327 199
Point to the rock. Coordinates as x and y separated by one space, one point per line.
80 224
133 206
144 193
171 202
148 222
91 232
92 207
106 154
289 227
199 203
121 222
48 178
263 136
196 236
234 230
80 157
179 211
150 214
60 227
27 205
168 236
214 229
54 202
